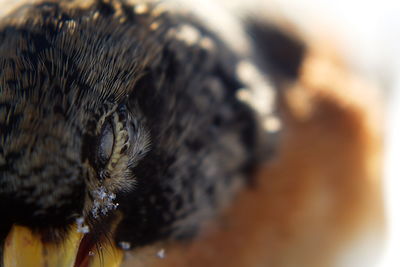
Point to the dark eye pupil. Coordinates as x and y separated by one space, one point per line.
106 143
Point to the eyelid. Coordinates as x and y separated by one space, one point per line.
106 143
112 140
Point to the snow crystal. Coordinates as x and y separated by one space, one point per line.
125 245
80 221
104 202
82 228
161 253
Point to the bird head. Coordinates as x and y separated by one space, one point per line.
120 127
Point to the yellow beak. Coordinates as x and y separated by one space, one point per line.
23 248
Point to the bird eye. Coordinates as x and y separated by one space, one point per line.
105 143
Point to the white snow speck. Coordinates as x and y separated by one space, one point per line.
161 253
125 245
80 221
82 228
103 202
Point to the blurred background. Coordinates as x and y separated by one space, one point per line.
367 35
368 32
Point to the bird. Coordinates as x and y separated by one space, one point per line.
144 133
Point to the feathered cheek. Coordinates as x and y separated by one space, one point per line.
131 144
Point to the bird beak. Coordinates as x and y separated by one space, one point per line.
23 248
